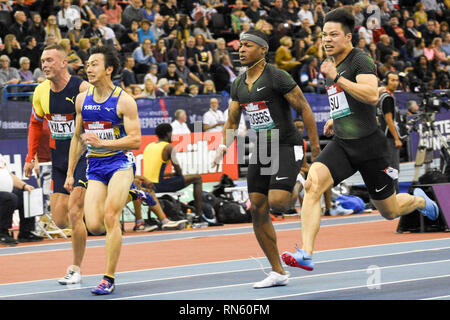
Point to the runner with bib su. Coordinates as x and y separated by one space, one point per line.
358 143
267 93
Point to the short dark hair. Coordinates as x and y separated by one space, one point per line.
110 56
343 16
163 130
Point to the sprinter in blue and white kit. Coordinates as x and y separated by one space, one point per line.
111 126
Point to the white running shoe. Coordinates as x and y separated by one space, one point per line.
73 276
273 280
174 225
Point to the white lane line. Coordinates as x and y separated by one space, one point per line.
293 278
437 298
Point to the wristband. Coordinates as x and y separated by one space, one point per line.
337 78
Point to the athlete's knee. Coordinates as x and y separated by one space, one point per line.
95 228
388 214
280 204
259 216
112 219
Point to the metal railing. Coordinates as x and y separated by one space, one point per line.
6 95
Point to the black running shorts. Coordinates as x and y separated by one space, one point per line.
369 156
280 172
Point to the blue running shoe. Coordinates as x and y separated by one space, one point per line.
431 210
104 287
299 259
137 194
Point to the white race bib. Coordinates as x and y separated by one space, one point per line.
338 102
62 126
259 115
103 129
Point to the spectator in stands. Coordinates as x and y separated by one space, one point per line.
358 13
74 60
26 76
220 51
86 14
147 10
421 76
184 73
177 49
277 13
184 27
311 79
156 157
193 90
37 29
144 31
13 49
143 55
32 52
305 12
223 74
93 30
444 29
20 25
209 87
11 198
411 32
439 54
161 55
158 27
170 25
108 35
20 5
171 76
76 34
316 49
283 56
8 75
130 38
201 27
149 89
419 13
213 119
300 50
128 75
291 13
446 44
418 48
114 12
407 52
163 89
180 89
133 11
179 125
169 9
83 49
96 7
253 11
428 51
386 66
203 56
190 54
385 47
152 73
136 91
67 16
52 28
396 32
429 31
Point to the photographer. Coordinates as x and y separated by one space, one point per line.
388 118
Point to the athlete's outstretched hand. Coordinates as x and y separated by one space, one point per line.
68 184
328 129
219 155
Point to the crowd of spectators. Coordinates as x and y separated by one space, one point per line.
185 48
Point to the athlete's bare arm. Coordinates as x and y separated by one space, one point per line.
298 101
76 144
232 124
169 153
84 86
365 89
127 110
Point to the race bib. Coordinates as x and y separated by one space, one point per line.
259 115
62 126
338 102
103 129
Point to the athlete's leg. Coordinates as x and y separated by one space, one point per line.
196 179
264 230
79 233
398 204
280 200
118 189
94 206
59 203
319 180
